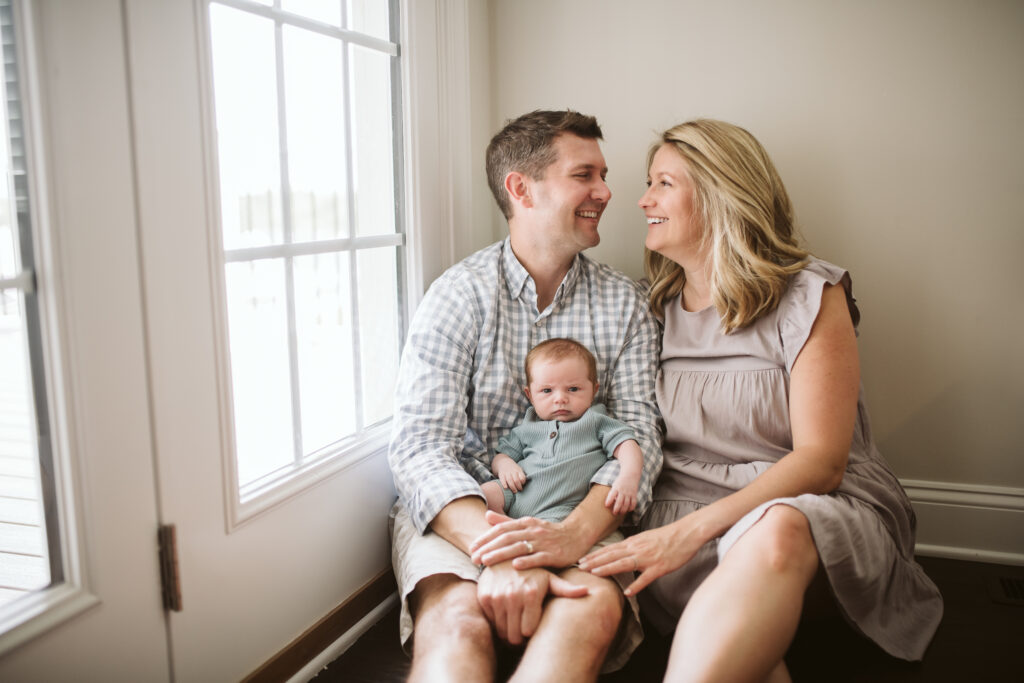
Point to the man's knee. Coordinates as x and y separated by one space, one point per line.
600 611
447 606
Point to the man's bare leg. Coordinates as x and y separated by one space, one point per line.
574 634
452 640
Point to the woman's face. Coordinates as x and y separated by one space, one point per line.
672 228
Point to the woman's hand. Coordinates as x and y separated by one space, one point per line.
529 541
653 553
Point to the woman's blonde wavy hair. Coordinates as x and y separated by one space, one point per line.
746 218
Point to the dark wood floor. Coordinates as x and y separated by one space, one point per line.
981 638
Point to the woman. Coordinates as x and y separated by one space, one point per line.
770 476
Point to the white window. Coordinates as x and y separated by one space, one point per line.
306 101
30 548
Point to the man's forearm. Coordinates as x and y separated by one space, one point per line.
461 521
591 520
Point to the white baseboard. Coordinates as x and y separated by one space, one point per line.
338 647
968 521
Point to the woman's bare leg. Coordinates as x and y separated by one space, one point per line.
742 618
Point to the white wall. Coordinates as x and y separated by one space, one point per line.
897 128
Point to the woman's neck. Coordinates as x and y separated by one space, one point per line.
696 295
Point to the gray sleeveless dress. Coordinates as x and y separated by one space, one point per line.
725 399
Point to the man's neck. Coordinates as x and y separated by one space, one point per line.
546 267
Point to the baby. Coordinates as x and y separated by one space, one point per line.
546 463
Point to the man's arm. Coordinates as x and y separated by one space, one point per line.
431 394
630 398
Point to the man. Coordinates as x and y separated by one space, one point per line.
460 389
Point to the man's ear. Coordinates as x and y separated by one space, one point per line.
518 187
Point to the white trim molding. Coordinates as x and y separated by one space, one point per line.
968 521
435 92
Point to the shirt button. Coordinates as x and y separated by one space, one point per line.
552 435
539 323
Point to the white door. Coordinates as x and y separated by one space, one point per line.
105 621
249 585
149 428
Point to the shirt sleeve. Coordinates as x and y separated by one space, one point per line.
512 445
630 398
431 395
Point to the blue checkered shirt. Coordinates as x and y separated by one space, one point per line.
460 383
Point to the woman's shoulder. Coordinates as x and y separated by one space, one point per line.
803 294
818 270
802 302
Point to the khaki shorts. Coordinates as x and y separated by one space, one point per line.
416 556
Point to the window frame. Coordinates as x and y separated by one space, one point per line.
249 501
69 592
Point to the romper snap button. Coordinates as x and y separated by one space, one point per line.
552 435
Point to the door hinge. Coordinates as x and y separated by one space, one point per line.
170 579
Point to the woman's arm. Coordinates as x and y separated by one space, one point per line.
824 385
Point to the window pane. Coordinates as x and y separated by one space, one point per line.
258 326
8 248
327 11
324 324
370 17
30 548
378 330
24 563
315 108
372 138
245 96
8 264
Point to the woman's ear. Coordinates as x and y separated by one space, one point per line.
518 187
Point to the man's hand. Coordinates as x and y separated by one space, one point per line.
513 600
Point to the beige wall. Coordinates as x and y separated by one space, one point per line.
899 130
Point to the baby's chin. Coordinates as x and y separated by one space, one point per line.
560 417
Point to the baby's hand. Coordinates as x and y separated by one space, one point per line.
511 476
620 499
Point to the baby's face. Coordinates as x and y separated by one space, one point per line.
560 389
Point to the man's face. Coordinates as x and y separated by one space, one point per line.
568 202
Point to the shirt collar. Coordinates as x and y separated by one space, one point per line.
516 277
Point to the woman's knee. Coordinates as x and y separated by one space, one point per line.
783 541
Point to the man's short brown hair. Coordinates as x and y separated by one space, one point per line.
527 145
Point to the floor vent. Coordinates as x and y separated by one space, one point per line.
1008 590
